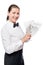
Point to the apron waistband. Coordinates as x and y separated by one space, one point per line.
16 52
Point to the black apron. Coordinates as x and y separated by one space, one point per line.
15 58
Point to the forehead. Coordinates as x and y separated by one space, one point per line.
15 10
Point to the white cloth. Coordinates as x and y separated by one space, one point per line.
33 27
11 37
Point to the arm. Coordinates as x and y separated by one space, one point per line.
8 46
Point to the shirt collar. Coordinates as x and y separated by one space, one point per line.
10 22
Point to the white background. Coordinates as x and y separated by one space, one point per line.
30 10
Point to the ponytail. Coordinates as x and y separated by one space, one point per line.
7 18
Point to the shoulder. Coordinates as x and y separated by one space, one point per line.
5 27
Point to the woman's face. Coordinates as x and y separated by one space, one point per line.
14 14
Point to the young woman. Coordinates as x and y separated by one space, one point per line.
13 38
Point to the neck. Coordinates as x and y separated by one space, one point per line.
11 21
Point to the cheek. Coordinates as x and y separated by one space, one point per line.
11 15
17 17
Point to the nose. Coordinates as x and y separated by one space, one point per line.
16 16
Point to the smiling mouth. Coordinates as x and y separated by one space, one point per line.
15 18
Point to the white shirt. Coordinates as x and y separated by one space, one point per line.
11 37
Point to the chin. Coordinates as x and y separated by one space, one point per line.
14 21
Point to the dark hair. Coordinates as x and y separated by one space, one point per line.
10 7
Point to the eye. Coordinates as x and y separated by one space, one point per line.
18 13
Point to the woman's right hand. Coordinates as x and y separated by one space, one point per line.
26 37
